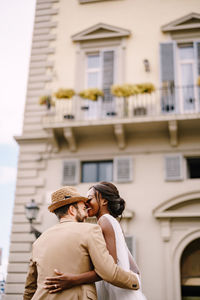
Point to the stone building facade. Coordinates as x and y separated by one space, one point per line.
147 144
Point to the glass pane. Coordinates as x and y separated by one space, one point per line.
187 74
187 86
93 80
105 171
89 172
93 61
186 52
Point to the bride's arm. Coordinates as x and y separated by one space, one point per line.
133 265
109 236
65 281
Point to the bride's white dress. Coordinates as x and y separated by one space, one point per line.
107 291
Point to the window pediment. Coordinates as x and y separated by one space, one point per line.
190 21
182 206
100 31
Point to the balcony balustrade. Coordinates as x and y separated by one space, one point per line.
161 104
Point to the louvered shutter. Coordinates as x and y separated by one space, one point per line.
70 172
174 167
167 73
198 57
108 73
130 242
123 169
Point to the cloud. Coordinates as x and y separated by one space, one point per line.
7 175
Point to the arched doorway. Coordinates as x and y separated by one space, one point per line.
190 271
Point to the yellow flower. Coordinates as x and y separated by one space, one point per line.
146 88
91 94
64 94
125 90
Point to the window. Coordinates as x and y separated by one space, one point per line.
193 167
93 71
100 71
179 72
94 171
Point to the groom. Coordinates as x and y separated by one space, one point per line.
74 247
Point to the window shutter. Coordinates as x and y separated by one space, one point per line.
108 73
198 57
70 172
123 169
130 242
174 167
168 78
167 62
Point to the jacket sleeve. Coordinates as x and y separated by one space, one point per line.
104 264
31 281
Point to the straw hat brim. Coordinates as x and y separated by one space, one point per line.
61 203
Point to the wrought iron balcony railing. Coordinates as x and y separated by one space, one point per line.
166 101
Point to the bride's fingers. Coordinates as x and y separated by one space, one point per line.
51 287
58 278
55 291
50 282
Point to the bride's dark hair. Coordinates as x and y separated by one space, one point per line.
109 192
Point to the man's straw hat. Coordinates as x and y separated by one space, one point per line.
64 196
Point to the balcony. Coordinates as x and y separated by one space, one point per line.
171 105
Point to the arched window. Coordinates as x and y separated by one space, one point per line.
190 271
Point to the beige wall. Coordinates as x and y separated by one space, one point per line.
143 18
159 240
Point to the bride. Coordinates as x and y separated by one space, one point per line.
105 203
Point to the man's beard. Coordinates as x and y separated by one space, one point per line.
79 217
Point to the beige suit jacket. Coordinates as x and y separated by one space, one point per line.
74 248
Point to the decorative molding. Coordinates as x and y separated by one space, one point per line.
101 31
120 135
163 210
70 138
45 25
46 12
90 1
190 21
173 132
44 37
165 230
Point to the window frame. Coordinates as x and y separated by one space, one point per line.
187 167
100 51
97 175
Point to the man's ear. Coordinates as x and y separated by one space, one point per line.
72 210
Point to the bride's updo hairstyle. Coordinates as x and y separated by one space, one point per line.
109 192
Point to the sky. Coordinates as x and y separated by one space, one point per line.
16 26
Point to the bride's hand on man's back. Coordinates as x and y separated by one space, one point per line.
60 282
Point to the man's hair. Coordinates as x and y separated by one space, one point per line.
63 210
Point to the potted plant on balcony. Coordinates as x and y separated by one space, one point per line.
63 95
90 94
124 91
146 88
143 88
46 100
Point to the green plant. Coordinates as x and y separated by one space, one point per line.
91 94
64 94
